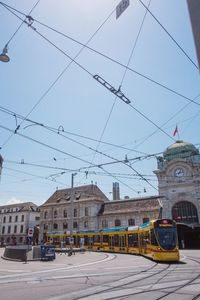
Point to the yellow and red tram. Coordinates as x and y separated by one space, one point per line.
156 239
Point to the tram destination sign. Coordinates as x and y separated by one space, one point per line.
120 8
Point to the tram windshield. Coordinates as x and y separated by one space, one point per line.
166 237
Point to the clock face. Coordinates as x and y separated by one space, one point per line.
179 172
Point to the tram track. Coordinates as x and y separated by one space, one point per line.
168 293
123 285
183 283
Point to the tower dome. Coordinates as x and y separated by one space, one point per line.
180 149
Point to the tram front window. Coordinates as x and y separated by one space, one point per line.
166 237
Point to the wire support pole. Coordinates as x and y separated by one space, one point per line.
71 221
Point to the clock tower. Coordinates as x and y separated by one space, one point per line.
178 173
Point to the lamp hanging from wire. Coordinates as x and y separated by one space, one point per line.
3 56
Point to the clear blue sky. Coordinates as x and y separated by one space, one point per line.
86 110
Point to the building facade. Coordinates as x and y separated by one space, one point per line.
92 210
178 176
59 210
15 220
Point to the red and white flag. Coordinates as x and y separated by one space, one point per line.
175 131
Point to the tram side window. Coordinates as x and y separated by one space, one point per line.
96 239
116 240
153 238
145 238
133 240
105 238
86 241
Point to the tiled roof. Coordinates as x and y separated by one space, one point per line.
26 206
19 205
131 205
85 192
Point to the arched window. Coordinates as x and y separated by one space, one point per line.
131 222
117 223
185 212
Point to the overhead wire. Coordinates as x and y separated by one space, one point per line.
18 28
111 59
171 118
112 107
63 152
93 76
64 70
62 131
30 174
167 32
122 80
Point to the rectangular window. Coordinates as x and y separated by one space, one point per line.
22 219
21 229
9 228
15 229
16 218
105 224
86 211
10 219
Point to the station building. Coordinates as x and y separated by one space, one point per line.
178 173
92 210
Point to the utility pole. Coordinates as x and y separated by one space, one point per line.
71 223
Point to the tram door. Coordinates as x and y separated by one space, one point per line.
111 242
122 243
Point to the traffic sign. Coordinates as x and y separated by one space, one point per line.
30 232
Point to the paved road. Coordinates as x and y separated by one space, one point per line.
100 276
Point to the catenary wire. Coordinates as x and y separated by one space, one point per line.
172 117
22 23
63 152
64 70
58 131
122 80
167 32
113 60
93 76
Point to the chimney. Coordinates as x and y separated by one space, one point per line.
115 192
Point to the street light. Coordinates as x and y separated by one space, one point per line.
3 56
